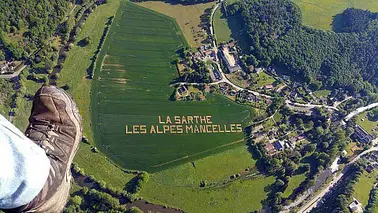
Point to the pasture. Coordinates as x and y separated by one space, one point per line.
319 13
131 87
212 169
189 18
237 196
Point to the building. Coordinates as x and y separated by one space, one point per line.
356 206
7 67
270 149
268 87
279 145
230 60
182 90
362 135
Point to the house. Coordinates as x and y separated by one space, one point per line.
7 66
362 135
355 206
268 87
251 68
182 90
232 93
270 149
258 70
369 168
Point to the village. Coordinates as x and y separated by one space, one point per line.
228 76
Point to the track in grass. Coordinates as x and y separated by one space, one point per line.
131 86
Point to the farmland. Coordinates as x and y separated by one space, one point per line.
188 18
131 87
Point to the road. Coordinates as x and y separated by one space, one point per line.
315 201
359 110
9 76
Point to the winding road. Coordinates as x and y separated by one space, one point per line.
314 201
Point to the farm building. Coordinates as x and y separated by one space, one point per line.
230 60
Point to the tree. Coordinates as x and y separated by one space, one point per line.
86 41
76 200
134 209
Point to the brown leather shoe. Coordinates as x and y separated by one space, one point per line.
55 125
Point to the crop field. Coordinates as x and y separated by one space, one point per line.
131 87
319 13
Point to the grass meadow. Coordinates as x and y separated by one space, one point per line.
237 196
188 18
294 182
74 74
364 121
132 87
221 27
211 169
319 13
363 187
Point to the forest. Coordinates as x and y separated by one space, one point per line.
26 25
344 58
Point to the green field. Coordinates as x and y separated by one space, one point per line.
180 186
211 169
367 124
188 17
322 93
222 30
131 87
363 187
74 74
319 13
294 182
238 196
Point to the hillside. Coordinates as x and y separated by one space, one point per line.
322 59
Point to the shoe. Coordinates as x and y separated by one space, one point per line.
54 125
